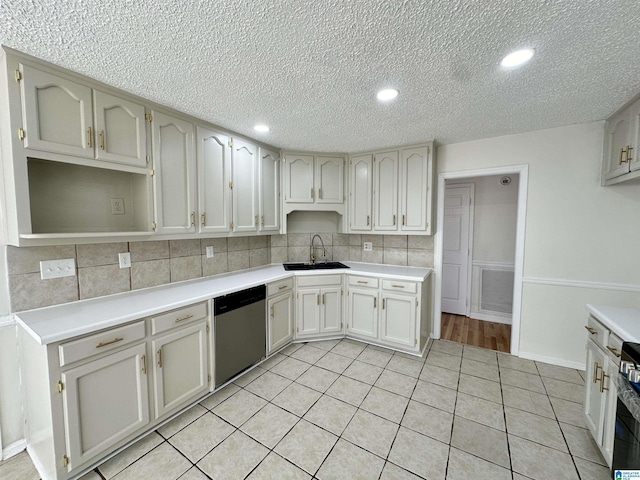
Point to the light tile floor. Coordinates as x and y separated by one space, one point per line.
345 410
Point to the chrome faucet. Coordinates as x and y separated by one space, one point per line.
312 255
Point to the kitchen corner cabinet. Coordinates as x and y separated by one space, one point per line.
601 396
319 305
280 314
86 397
621 142
392 191
174 174
313 182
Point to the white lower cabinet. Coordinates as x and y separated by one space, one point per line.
398 319
279 314
363 313
319 305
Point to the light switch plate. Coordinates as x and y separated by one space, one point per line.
57 268
368 246
209 252
124 260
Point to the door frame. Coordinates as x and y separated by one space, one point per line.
523 176
472 195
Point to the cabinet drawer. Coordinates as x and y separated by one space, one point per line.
166 321
400 286
614 347
100 342
597 332
363 281
280 287
319 281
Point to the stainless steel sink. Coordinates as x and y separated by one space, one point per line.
313 266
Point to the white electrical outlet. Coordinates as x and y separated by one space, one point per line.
57 268
368 246
124 260
209 251
117 206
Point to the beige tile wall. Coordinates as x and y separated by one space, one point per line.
162 262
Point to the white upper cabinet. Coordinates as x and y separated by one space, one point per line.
360 183
120 134
213 153
56 113
245 174
314 182
385 191
416 189
174 174
269 190
621 143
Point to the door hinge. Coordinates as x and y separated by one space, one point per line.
153 226
21 134
152 172
148 117
17 75
231 185
65 461
60 386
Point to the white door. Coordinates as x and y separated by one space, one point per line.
214 175
329 179
617 139
360 179
415 207
455 259
245 197
308 312
299 179
269 191
385 191
363 312
331 310
594 401
632 155
280 323
398 319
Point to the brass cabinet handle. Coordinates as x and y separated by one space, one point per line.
102 139
383 303
281 287
403 220
159 357
273 310
375 302
595 372
263 220
203 219
629 158
363 281
320 194
256 221
182 319
324 297
591 330
626 155
312 193
397 286
602 387
193 219
104 344
614 351
143 361
318 299
89 137
394 220
368 220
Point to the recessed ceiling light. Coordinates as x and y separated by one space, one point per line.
261 128
387 94
517 58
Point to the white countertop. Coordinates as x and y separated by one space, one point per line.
624 322
61 322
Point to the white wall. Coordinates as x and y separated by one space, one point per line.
577 232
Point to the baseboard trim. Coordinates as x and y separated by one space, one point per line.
14 449
559 282
552 360
490 318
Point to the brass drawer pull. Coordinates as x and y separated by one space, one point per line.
591 330
115 340
363 281
182 319
614 351
89 137
143 360
160 357
397 286
102 139
282 287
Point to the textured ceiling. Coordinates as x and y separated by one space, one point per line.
310 68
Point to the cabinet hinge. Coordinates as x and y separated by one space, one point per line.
428 150
148 117
209 378
148 159
65 460
17 75
416 302
60 386
415 343
21 134
154 226
297 329
208 329
341 326
231 185
231 225
152 172
230 143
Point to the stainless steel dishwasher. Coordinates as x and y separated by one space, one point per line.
239 331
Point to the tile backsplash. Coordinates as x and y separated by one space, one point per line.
166 261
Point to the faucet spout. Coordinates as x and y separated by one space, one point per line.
312 256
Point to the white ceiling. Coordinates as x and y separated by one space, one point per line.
310 68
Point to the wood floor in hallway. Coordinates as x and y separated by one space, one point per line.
461 329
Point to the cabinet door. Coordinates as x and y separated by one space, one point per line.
611 403
56 114
360 180
416 170
308 312
280 323
180 372
269 191
331 310
385 191
245 198
174 174
594 402
329 179
104 401
617 135
213 154
398 320
363 313
120 130
634 139
299 186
